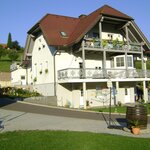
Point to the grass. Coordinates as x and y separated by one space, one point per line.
5 65
66 140
117 109
5 62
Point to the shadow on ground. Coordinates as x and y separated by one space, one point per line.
113 122
4 101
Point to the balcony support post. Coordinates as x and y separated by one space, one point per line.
83 58
100 32
101 45
117 92
145 92
84 94
104 64
142 62
127 49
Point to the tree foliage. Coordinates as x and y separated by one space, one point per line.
9 41
15 45
2 51
13 55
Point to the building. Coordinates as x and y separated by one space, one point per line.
76 59
5 80
3 45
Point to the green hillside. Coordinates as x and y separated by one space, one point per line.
5 62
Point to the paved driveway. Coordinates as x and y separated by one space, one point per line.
18 116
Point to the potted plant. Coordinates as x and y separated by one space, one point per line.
40 72
104 43
46 70
35 79
135 128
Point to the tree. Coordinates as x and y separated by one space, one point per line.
15 45
13 55
2 52
9 41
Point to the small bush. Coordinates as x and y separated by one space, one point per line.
17 92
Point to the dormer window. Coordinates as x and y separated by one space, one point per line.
63 34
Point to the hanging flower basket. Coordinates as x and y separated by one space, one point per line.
46 70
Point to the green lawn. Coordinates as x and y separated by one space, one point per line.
117 109
65 140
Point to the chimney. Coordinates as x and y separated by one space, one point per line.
82 16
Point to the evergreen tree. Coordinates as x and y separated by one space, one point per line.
9 41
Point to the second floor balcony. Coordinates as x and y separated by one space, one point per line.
112 45
92 73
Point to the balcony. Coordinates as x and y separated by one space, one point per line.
91 73
112 45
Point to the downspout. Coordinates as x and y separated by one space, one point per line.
55 89
26 76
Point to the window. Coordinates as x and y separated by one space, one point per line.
63 34
126 91
81 92
22 77
120 61
129 60
95 35
110 36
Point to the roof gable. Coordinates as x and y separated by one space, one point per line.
107 10
75 28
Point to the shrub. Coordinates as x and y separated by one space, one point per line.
17 92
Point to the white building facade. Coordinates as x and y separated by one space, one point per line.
75 60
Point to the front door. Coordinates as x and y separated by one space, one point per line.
81 98
127 95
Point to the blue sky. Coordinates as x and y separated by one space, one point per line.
18 16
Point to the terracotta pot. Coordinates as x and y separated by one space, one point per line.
135 130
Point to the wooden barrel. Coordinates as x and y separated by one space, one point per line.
137 113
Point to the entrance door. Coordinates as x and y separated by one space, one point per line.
127 95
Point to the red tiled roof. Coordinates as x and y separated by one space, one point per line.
3 45
52 25
89 21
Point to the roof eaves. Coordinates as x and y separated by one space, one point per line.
141 34
105 7
33 28
37 24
